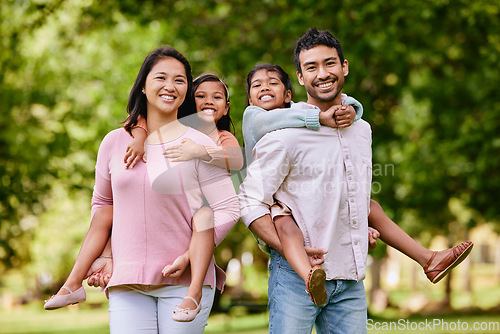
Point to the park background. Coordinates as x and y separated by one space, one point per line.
426 72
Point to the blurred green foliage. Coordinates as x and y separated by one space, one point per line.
426 72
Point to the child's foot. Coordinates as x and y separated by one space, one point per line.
442 262
315 285
65 297
187 310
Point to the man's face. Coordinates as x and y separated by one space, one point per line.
322 75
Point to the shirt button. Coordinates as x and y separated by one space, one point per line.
352 200
355 242
354 222
350 178
347 157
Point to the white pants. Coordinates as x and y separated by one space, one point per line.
148 309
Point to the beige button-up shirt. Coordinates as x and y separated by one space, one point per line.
324 177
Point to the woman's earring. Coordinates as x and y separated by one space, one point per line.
143 91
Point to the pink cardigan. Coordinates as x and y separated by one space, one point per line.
152 220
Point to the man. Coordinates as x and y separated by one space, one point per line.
324 177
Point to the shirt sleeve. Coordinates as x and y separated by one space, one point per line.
264 177
102 194
261 121
228 155
358 107
218 189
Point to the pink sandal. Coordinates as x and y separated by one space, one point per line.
58 301
185 314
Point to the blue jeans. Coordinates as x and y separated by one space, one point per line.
292 311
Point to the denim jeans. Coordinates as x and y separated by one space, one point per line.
292 311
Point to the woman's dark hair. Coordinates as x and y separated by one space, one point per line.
312 38
225 122
283 76
137 102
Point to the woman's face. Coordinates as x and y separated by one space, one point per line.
166 86
267 91
211 102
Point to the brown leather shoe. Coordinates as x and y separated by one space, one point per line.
453 259
315 286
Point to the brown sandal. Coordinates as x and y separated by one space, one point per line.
315 285
453 259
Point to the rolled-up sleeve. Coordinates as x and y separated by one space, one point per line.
264 177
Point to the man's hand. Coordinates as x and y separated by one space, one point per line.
100 272
344 115
373 235
316 255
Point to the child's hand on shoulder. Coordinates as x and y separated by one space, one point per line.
344 115
136 149
135 152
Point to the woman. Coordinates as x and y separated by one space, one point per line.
153 204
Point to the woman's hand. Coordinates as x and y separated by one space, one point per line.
100 272
176 269
344 115
187 150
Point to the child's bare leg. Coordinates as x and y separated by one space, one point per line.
92 247
201 250
292 241
394 236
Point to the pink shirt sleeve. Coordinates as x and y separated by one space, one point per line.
227 154
102 195
219 192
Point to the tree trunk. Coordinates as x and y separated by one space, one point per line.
497 260
467 266
447 297
375 270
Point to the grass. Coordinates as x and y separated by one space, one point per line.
32 319
92 316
